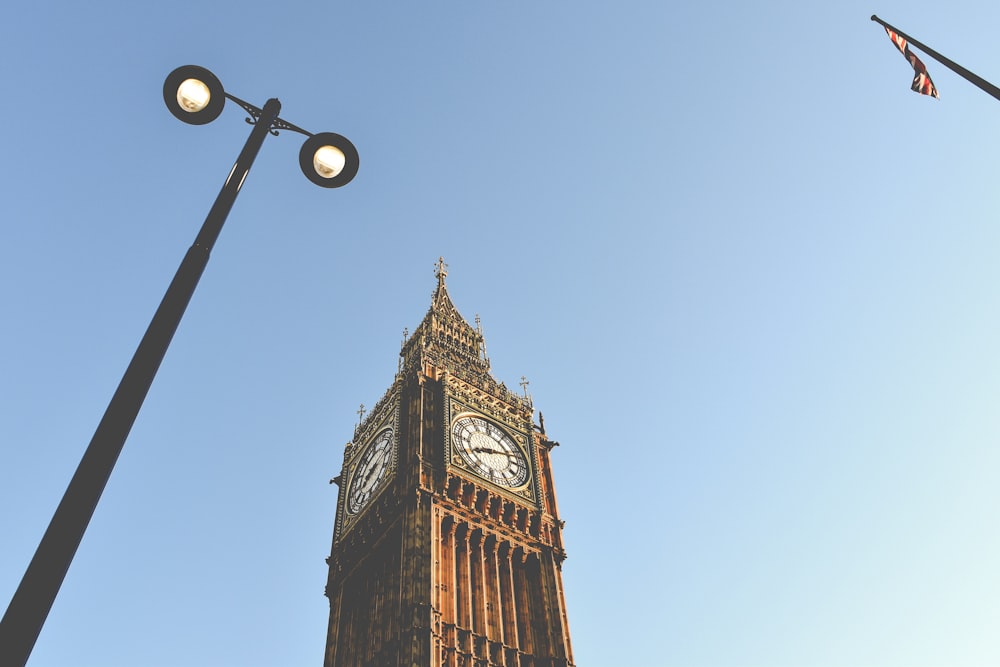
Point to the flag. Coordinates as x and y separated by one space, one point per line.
921 79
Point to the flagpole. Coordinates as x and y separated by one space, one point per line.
954 67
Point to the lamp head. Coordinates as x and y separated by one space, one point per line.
194 95
329 159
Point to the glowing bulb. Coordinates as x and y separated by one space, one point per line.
328 161
193 95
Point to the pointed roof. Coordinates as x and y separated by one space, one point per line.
445 344
441 302
444 337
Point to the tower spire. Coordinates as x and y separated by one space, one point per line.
441 272
445 339
440 300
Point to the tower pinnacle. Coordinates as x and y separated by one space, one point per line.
441 271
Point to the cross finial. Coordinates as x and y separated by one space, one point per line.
441 270
524 385
361 414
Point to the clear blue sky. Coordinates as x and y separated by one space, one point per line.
751 277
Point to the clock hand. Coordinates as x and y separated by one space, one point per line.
366 474
493 451
373 466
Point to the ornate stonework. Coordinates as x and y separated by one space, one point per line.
452 556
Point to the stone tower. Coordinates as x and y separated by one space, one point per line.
447 544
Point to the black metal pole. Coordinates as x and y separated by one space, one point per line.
974 79
33 599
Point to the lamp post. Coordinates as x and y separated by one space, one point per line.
194 95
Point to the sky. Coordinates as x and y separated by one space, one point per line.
750 276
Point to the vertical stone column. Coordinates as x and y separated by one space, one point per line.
363 628
555 600
508 606
491 586
446 580
348 639
463 585
333 629
542 622
478 586
462 605
522 597
349 634
476 580
435 582
375 609
446 570
416 569
491 579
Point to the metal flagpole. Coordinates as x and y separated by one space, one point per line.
954 67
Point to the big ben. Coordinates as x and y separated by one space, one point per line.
447 545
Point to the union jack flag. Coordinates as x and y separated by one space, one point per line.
921 79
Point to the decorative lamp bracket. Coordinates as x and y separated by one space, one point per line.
276 125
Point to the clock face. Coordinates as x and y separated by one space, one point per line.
489 451
370 471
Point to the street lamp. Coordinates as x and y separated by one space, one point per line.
196 96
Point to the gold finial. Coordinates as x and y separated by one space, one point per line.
441 271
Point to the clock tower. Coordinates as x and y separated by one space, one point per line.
447 544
